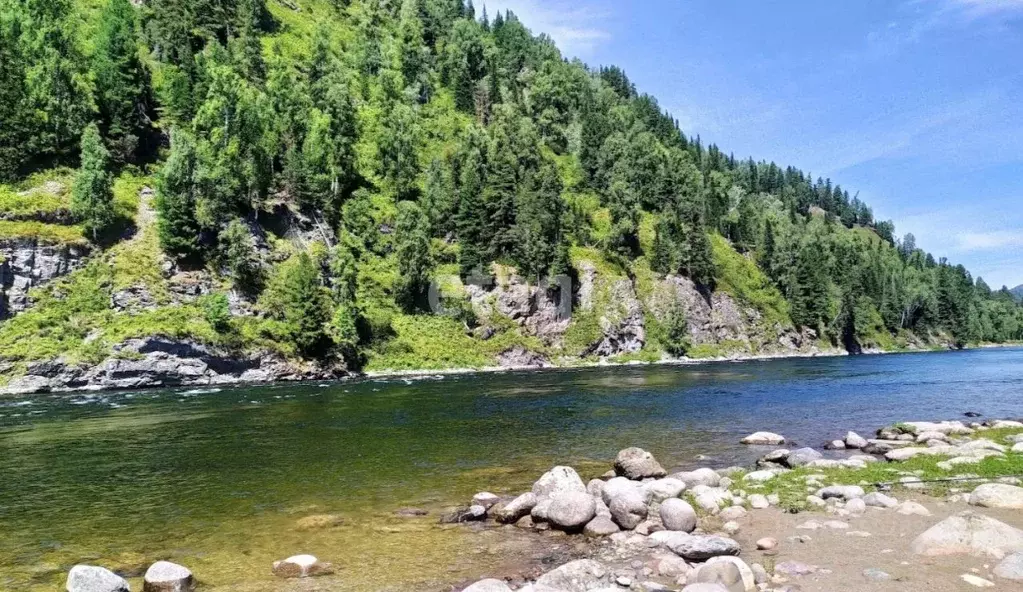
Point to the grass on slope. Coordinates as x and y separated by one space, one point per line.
740 277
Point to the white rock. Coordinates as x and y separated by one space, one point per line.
976 581
1011 568
759 476
730 572
576 576
485 499
91 578
662 489
912 509
678 515
557 479
732 513
856 506
854 440
702 476
301 566
489 585
969 533
764 439
998 495
759 502
845 492
164 576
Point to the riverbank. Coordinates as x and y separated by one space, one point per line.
881 522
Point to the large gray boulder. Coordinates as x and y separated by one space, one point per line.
600 526
515 509
704 587
619 485
803 456
662 489
577 576
877 499
1011 568
91 578
677 514
702 547
998 495
704 476
636 463
969 533
556 480
164 576
854 440
571 510
488 585
730 572
628 509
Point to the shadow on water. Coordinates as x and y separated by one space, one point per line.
217 478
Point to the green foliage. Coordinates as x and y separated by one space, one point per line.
295 298
175 199
739 276
676 330
216 311
92 196
122 83
413 252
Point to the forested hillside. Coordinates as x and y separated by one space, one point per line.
289 176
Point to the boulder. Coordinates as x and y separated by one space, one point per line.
912 509
704 587
803 456
557 479
539 511
854 440
515 509
489 585
730 572
671 566
164 576
763 439
486 499
618 486
759 502
636 463
856 506
628 509
301 566
676 514
704 476
702 547
969 533
91 578
662 489
998 495
835 445
710 499
601 526
760 476
1011 568
577 576
459 515
767 544
571 510
845 492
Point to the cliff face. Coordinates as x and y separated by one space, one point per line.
28 263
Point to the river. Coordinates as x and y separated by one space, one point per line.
216 479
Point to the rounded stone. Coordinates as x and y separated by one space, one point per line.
571 510
767 544
636 463
628 509
92 578
677 514
164 576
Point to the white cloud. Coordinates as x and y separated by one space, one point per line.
996 239
977 9
577 27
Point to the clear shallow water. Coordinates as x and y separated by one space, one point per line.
217 478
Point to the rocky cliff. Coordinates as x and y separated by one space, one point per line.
27 263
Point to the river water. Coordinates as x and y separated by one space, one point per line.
216 479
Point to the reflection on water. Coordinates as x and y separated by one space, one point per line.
217 478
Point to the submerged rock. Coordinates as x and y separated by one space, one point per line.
301 566
92 578
164 576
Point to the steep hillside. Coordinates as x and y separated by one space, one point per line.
201 192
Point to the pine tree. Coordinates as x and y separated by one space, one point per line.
237 256
13 108
121 81
296 298
438 199
175 199
413 47
398 151
676 329
471 218
92 196
542 249
413 253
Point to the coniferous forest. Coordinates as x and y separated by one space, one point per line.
316 164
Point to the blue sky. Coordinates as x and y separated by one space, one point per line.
915 104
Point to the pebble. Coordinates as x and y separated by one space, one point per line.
976 581
794 568
767 544
912 509
876 575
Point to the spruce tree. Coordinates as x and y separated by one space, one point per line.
175 199
121 81
92 195
412 247
13 108
471 217
296 298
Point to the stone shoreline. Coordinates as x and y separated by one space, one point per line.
640 528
